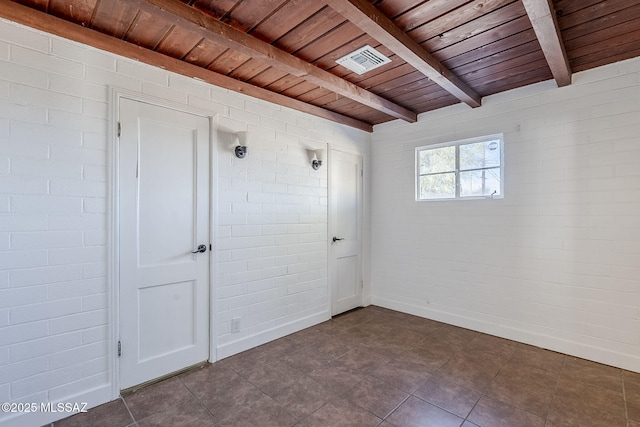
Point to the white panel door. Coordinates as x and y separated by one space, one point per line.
346 231
163 196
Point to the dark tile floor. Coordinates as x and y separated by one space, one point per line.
377 367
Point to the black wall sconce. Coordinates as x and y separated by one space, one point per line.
317 159
243 140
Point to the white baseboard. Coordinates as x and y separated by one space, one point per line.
581 350
92 398
246 343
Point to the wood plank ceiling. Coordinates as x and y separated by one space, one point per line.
442 51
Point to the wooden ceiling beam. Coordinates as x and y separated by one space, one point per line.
366 16
50 24
207 26
545 24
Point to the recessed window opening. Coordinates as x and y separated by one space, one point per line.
466 169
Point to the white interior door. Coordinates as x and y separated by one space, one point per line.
163 195
346 231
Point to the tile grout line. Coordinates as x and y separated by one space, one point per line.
297 421
382 419
624 397
307 376
129 411
197 399
396 408
434 374
555 389
483 393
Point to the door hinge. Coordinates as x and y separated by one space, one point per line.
119 348
361 172
119 129
362 284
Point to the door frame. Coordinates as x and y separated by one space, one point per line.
330 264
113 220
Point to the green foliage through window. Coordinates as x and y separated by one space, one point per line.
471 168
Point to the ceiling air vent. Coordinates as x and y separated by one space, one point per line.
364 59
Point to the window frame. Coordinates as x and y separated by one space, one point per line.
457 144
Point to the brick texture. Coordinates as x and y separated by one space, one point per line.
556 262
55 154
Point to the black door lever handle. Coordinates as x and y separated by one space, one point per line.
201 249
335 239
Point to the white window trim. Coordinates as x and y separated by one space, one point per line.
457 144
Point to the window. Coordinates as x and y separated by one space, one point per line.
467 169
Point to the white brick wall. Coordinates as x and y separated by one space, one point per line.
271 245
556 263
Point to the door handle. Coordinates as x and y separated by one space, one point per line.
201 249
335 239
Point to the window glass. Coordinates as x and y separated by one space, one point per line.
479 155
438 160
461 169
478 183
438 186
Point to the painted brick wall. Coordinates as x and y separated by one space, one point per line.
55 159
272 223
556 263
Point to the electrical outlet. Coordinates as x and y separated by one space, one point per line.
235 325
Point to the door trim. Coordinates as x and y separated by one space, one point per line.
113 221
330 264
